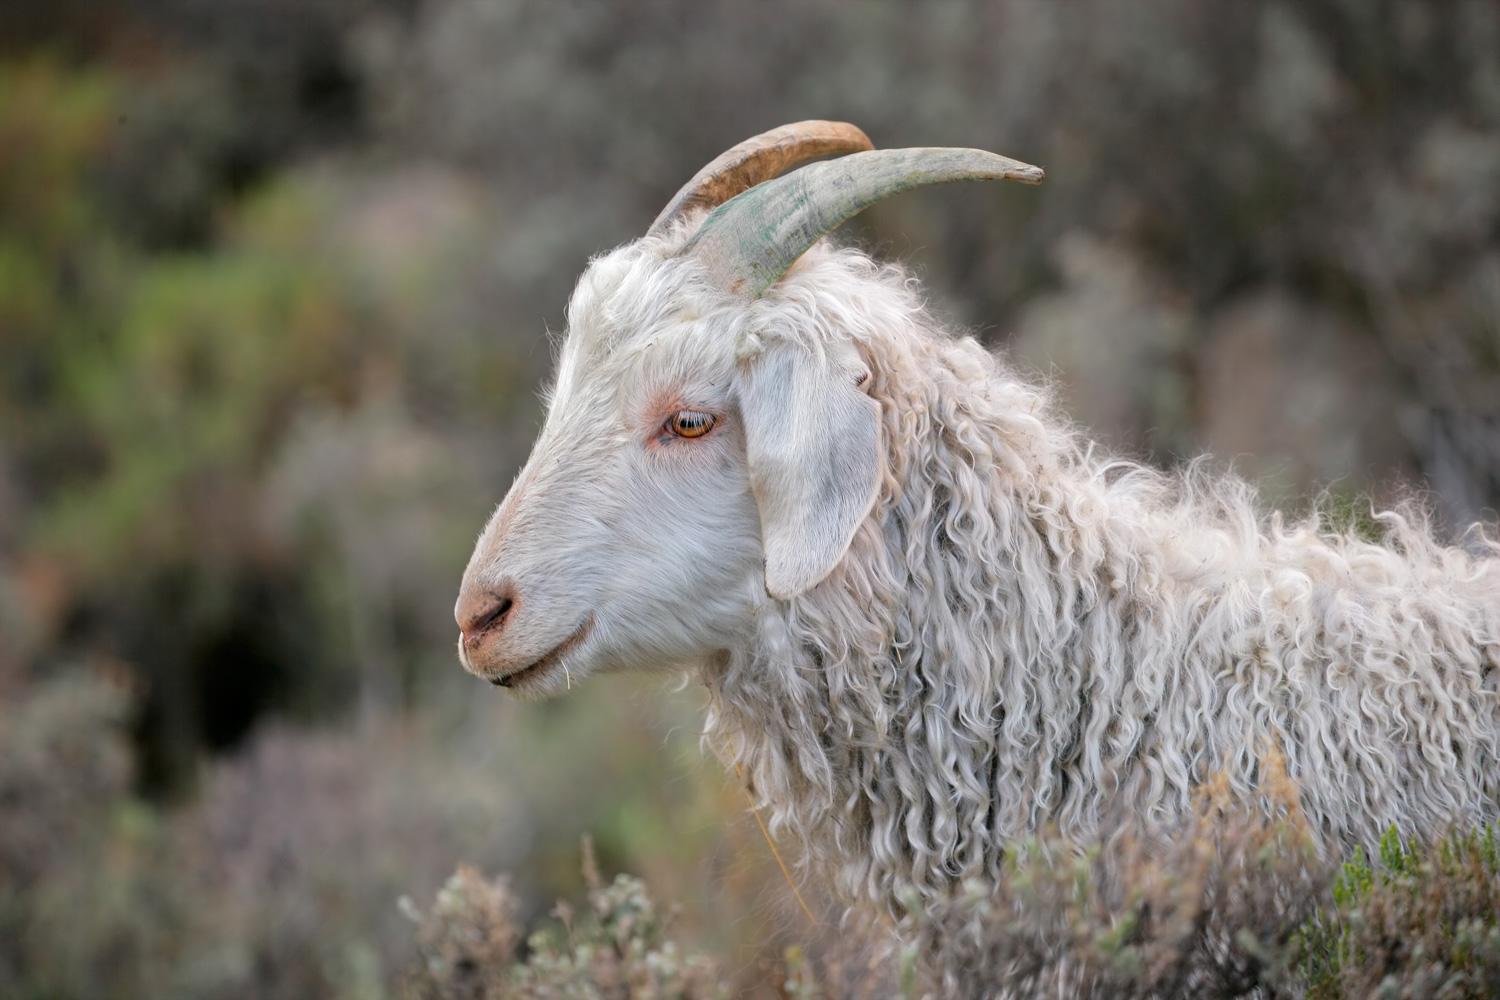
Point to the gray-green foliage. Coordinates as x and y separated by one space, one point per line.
276 883
1228 907
63 773
617 948
224 467
1422 922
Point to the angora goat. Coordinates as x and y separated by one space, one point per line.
929 615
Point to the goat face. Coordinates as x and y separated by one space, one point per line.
709 442
692 461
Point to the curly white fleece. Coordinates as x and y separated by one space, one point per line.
1025 628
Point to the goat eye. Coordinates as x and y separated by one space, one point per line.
691 423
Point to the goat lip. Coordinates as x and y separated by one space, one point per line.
535 669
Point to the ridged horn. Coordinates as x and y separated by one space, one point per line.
749 241
757 160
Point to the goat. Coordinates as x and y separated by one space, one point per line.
930 616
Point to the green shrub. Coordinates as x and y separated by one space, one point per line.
1421 922
467 946
1203 909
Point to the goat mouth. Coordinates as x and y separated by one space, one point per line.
529 673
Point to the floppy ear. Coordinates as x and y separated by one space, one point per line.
812 440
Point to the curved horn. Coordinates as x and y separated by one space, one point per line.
759 159
749 241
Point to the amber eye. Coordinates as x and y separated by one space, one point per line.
691 423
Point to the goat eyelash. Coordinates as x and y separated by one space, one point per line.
690 423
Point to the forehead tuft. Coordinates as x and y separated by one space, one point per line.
638 312
621 295
633 294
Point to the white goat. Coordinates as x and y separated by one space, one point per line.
929 615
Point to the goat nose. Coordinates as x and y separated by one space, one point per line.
483 611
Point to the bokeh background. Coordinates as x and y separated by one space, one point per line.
276 285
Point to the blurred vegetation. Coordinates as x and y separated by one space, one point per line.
1227 906
615 949
1206 908
1423 922
275 281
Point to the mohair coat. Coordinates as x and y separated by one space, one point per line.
1026 630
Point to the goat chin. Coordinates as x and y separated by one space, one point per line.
1022 632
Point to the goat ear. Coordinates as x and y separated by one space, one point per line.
812 442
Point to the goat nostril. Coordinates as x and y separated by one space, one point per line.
498 615
483 612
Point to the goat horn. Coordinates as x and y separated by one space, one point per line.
749 241
756 160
